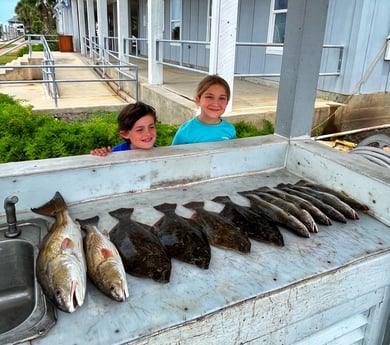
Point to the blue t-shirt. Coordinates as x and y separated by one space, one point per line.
194 131
125 146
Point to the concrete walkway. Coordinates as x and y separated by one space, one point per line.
252 102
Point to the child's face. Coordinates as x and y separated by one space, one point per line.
143 134
212 104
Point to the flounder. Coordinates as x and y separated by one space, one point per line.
141 251
220 232
181 239
257 227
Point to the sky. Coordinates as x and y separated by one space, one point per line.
7 10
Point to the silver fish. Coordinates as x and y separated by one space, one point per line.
61 264
104 264
277 214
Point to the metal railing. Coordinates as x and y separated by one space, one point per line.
123 72
181 64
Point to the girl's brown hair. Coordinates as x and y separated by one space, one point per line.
210 80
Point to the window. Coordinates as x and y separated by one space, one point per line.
175 19
277 25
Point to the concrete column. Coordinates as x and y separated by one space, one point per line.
123 26
81 14
91 22
155 31
223 41
102 22
75 26
305 28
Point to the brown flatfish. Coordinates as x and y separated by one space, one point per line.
256 226
220 232
181 239
141 251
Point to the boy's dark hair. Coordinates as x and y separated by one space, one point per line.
210 80
132 113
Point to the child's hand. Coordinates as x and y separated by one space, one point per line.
104 151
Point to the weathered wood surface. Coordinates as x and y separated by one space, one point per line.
270 296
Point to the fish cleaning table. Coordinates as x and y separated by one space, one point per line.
330 288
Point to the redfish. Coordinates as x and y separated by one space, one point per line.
61 264
104 264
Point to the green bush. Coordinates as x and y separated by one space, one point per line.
28 136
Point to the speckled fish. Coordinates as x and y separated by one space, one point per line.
182 240
104 264
340 194
317 214
330 199
61 264
330 211
220 232
277 214
142 253
299 213
256 226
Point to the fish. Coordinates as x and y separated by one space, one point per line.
329 199
104 264
220 232
330 211
340 194
257 227
61 267
181 239
299 213
316 213
277 214
142 253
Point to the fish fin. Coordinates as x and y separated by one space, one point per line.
107 253
194 204
88 221
121 213
221 199
52 207
67 243
165 207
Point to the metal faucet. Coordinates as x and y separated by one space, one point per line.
9 206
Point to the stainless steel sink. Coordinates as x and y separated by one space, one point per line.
25 313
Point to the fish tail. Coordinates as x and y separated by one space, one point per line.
52 207
88 221
165 207
121 213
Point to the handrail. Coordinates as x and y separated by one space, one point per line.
179 64
125 72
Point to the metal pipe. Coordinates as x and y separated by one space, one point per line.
10 211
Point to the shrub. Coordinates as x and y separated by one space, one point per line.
28 136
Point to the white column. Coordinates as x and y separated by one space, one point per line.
81 13
305 29
155 31
223 41
91 22
75 26
123 26
102 21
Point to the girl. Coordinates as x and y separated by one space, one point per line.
212 97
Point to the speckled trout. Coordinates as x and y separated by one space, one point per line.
61 265
104 264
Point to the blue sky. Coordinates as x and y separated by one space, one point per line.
7 10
